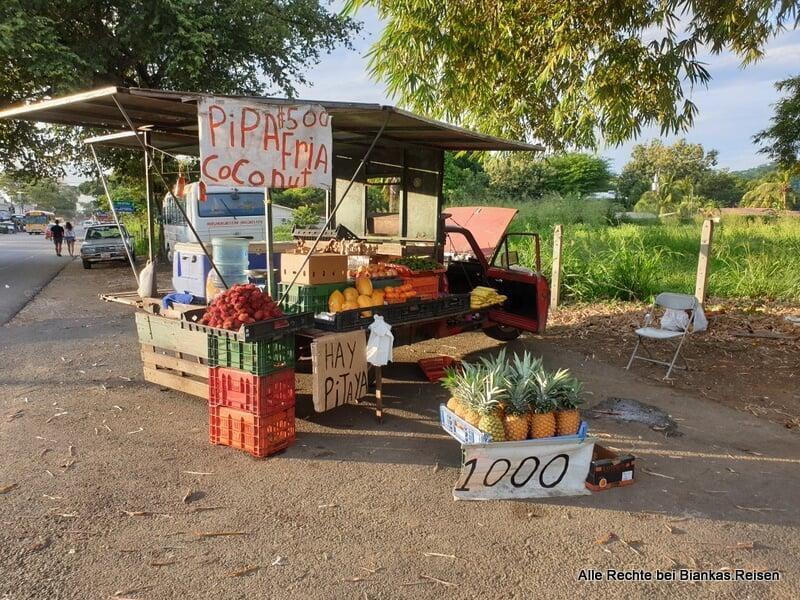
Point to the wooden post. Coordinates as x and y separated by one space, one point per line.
702 262
555 280
378 395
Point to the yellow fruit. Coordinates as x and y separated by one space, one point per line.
568 422
377 297
543 425
454 405
364 301
516 427
364 286
335 301
350 294
473 417
349 305
493 425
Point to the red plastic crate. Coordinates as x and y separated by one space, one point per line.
434 367
260 436
426 286
257 394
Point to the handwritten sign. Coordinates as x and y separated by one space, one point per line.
256 144
339 365
532 469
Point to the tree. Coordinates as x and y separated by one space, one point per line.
234 47
578 173
722 187
773 191
305 216
566 73
44 194
781 140
465 180
681 160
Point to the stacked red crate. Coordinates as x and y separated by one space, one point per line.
254 413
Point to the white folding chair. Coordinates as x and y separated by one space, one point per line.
667 300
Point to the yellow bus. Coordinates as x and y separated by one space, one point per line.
37 221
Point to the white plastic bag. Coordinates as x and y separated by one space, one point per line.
146 281
674 320
380 342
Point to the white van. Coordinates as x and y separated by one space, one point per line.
225 212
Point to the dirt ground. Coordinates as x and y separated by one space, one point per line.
748 359
96 464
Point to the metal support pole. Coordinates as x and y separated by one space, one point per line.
148 191
327 205
271 287
169 190
338 204
114 212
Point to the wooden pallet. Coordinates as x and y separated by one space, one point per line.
175 370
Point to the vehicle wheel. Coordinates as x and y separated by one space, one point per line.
87 264
502 333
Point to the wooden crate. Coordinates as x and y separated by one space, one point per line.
171 334
175 370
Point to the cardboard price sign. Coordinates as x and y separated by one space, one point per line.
339 365
532 469
253 144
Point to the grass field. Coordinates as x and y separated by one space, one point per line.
752 257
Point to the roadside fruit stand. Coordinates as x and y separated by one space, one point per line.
407 261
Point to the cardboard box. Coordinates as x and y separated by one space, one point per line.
609 469
320 268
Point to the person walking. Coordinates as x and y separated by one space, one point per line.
69 237
57 233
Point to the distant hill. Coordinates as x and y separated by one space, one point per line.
755 172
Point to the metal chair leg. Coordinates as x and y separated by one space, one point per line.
675 358
630 362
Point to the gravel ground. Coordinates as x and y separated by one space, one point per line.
96 464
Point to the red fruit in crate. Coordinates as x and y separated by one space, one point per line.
242 316
259 315
227 324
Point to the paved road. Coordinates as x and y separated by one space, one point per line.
27 263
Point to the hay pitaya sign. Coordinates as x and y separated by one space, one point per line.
246 143
526 469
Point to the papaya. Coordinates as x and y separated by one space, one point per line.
364 301
350 294
364 286
377 297
335 301
349 305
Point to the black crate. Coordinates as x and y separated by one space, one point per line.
254 332
397 314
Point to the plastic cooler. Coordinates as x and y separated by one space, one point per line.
190 268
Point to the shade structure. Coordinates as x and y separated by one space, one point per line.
171 118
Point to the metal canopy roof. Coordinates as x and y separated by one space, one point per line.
171 117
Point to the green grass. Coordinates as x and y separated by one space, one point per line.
751 258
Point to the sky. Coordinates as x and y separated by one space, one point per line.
735 105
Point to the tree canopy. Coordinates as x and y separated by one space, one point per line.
232 47
781 140
566 73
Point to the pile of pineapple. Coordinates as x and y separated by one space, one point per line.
515 399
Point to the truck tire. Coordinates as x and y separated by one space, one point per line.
87 264
502 333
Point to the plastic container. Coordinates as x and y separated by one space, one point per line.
259 358
260 436
231 250
307 298
466 433
434 367
426 286
261 395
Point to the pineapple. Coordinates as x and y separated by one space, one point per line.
450 382
470 390
488 404
568 417
520 392
548 389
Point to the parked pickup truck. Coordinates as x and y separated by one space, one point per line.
103 243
